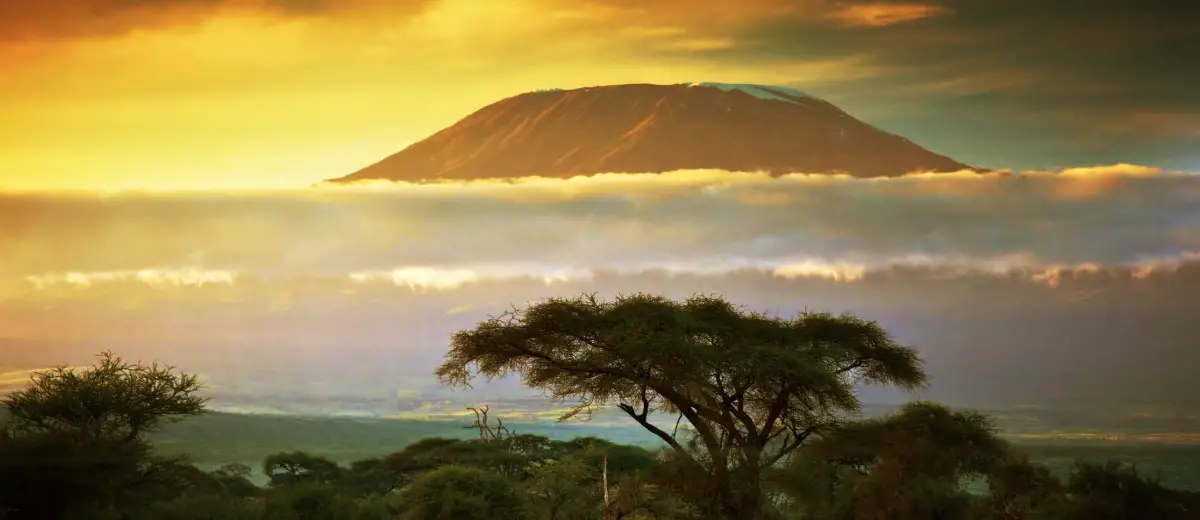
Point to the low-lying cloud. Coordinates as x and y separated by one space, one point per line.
1039 224
1016 287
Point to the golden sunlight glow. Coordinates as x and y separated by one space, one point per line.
423 279
16 379
188 277
811 269
880 14
245 99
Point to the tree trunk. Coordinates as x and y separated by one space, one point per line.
607 506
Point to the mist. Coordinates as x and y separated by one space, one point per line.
1076 286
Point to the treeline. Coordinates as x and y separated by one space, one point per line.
763 431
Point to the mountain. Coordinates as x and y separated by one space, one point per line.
644 128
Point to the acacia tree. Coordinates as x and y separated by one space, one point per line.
751 387
111 400
286 469
75 443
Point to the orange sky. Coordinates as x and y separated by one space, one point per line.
276 93
242 96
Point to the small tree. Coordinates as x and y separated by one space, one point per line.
752 387
1022 490
908 465
112 400
1116 490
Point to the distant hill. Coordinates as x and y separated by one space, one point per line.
645 128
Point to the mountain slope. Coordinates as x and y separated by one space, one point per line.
656 128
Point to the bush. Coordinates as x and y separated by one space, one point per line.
460 493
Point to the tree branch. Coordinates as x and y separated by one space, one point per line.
776 410
641 419
797 439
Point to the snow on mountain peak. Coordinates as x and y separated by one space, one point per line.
758 91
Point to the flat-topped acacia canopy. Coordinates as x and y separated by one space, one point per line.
751 387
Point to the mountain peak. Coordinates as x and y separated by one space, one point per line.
647 128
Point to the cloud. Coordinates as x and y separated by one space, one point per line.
710 14
17 379
725 14
151 277
443 236
1106 87
1158 123
22 20
1014 285
881 14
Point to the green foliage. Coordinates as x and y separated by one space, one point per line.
922 439
635 498
751 387
1115 491
572 486
460 493
566 489
112 399
1021 490
206 507
314 501
909 465
234 479
370 477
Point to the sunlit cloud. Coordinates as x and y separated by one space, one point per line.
426 278
880 14
152 277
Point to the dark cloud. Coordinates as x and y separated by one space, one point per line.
1105 81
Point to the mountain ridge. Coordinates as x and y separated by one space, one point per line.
649 128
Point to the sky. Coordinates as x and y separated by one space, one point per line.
281 93
158 161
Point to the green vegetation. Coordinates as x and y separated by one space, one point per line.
763 430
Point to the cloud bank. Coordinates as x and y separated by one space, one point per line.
1039 224
1016 287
